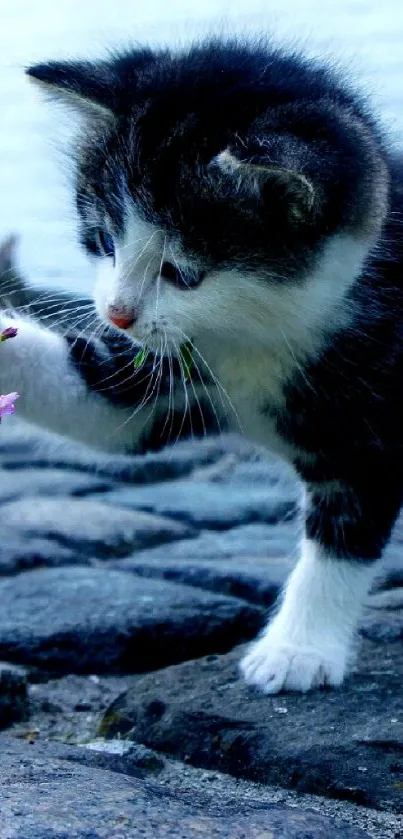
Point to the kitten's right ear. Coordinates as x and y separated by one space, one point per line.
94 88
86 86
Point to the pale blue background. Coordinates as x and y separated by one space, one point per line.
367 35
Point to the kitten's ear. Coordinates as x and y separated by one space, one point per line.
88 87
267 180
94 88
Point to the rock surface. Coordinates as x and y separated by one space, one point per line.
19 553
45 797
89 525
102 581
254 578
97 620
14 703
347 743
208 505
49 482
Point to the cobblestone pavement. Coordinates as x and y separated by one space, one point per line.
129 587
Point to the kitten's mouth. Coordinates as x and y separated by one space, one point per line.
162 345
158 341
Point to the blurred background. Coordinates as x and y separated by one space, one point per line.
35 199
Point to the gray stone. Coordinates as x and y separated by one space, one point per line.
250 561
382 625
14 703
383 617
17 553
255 579
48 482
207 504
57 703
88 620
390 569
258 540
120 756
391 599
202 712
44 796
21 447
262 469
90 526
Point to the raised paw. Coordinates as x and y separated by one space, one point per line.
273 665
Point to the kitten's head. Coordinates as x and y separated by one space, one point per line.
210 183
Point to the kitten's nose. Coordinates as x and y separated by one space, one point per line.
123 318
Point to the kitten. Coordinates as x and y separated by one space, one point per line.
242 201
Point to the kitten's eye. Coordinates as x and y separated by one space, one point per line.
180 278
170 272
105 243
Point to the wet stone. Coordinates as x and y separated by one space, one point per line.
120 756
255 579
17 553
327 742
21 447
88 620
14 703
48 482
47 796
89 525
206 504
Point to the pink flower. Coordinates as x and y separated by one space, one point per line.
7 404
9 332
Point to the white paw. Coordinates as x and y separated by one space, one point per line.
273 664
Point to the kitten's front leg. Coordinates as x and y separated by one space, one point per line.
91 389
83 388
310 641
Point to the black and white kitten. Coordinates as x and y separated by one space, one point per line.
242 200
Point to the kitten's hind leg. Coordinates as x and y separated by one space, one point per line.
310 641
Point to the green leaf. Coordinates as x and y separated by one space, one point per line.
140 358
186 354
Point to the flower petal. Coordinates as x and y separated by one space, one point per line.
7 403
9 332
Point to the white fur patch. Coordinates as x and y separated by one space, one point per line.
252 332
310 640
52 393
126 284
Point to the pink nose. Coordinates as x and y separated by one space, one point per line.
123 318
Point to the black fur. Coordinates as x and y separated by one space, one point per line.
175 112
108 368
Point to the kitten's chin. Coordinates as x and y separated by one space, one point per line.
157 343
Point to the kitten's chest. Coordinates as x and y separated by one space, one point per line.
254 385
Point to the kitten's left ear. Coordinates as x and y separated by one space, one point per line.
93 88
260 178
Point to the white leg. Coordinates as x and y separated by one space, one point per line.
309 642
37 364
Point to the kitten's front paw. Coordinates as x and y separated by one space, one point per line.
273 663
